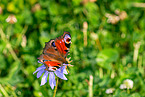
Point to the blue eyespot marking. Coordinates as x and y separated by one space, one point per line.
53 44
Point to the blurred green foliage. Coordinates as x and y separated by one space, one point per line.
115 49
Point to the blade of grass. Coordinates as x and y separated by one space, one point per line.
3 91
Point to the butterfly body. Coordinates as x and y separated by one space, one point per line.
55 52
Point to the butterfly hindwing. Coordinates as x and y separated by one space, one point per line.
52 65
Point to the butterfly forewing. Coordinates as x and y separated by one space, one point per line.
63 43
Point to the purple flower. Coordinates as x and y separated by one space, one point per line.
59 72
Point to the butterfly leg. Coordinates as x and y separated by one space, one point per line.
46 67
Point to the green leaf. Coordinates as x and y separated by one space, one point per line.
13 77
106 57
29 59
27 16
3 63
135 95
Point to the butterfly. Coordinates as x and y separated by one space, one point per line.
55 52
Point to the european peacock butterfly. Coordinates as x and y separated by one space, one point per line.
55 52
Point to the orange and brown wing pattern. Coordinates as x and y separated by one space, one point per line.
63 43
55 52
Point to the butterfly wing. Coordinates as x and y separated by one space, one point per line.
63 43
52 65
55 52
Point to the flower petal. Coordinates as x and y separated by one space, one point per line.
44 78
40 73
122 86
63 70
65 64
60 75
40 62
52 80
39 68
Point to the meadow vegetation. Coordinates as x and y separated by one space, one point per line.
108 46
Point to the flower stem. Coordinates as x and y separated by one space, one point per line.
91 86
128 91
55 87
3 36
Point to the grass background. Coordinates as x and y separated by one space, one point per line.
110 48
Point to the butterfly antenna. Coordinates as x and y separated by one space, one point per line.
70 65
68 60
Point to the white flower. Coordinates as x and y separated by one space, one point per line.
11 19
59 72
110 90
127 84
122 86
